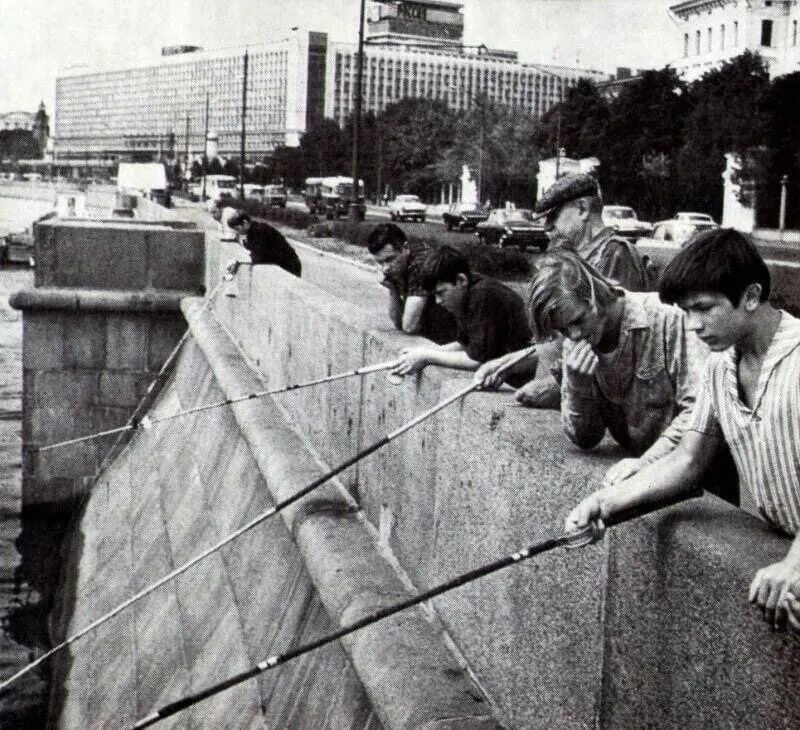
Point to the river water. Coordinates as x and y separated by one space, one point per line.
22 609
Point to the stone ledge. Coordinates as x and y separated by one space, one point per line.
407 671
98 300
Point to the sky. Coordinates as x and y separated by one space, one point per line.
40 38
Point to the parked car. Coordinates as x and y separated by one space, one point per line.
275 195
407 207
253 192
625 222
512 226
464 216
695 218
17 248
678 230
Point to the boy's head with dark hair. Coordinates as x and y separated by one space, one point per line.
443 264
386 234
446 274
722 284
239 220
720 261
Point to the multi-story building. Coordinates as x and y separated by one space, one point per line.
713 31
414 49
160 108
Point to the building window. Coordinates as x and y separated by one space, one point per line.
722 37
708 42
686 44
766 33
735 32
697 43
794 32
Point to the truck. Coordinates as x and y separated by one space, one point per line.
331 196
144 179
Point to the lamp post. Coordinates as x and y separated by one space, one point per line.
355 208
782 215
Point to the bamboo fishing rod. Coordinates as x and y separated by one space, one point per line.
580 538
258 519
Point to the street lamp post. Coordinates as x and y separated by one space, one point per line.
782 215
355 208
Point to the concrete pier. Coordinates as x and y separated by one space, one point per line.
101 319
651 627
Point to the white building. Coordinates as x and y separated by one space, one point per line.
713 31
414 49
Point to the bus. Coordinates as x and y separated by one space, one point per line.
331 196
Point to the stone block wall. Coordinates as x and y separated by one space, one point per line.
637 627
101 320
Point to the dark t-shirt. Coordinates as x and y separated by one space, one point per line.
405 275
494 321
268 246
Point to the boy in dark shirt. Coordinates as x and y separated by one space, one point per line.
265 243
491 317
411 308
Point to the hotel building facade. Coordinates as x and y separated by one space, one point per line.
714 31
414 49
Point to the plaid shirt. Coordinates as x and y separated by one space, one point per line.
764 440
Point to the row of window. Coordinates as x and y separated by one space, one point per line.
698 39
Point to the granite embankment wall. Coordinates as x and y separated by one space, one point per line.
651 627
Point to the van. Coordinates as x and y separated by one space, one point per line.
145 179
220 188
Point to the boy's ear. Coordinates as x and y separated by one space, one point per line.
462 280
752 297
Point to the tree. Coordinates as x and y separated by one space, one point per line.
726 114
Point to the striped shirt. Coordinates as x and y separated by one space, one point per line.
765 439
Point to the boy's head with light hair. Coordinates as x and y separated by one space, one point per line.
569 297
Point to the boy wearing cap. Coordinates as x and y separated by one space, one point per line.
572 209
490 317
749 399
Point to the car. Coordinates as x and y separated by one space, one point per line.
625 222
407 207
695 218
253 192
17 248
512 226
464 216
275 195
677 231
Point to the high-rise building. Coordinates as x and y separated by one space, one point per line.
414 49
713 31
145 110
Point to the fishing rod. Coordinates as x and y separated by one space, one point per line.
574 539
146 422
259 518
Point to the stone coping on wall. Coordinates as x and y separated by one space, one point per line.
407 670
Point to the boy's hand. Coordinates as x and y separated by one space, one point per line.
770 591
412 360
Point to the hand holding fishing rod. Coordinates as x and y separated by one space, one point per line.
568 539
258 519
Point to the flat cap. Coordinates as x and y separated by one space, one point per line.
570 187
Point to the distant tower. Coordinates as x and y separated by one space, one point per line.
41 128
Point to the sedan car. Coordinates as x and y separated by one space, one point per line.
695 218
407 207
275 195
678 231
464 216
625 222
512 226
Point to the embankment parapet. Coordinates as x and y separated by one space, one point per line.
651 627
